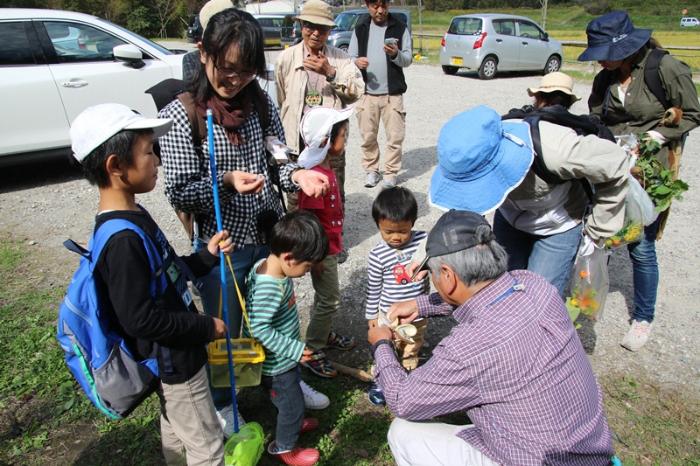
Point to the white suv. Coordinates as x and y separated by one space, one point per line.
54 64
689 22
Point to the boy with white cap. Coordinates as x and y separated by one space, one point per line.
114 145
324 131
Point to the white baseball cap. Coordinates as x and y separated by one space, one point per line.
315 128
95 125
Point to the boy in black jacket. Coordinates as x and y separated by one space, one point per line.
115 148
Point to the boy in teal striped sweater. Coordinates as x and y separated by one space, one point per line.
297 243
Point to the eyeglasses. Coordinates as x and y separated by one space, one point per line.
315 27
231 73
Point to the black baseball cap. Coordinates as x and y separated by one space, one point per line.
454 231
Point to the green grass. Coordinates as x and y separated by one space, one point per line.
46 419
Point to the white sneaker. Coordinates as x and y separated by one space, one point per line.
372 179
389 182
312 398
225 416
637 335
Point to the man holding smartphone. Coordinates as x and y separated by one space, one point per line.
381 48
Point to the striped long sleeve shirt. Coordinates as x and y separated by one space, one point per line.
274 320
387 279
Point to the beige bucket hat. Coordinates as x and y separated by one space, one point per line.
211 8
316 12
556 81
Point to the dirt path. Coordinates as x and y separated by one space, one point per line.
48 203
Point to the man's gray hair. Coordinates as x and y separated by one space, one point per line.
485 261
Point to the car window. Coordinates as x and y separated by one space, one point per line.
16 47
505 27
465 26
277 22
76 42
265 22
529 30
345 21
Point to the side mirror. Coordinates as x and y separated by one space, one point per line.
545 37
129 54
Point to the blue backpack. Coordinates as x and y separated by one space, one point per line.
95 353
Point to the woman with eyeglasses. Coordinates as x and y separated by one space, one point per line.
232 56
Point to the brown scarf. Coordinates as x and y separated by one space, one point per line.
230 114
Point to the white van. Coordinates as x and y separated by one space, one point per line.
690 22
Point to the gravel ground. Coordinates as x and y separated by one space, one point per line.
45 204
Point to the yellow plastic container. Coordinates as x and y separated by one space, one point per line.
248 356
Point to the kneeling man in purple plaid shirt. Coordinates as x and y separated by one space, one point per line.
513 364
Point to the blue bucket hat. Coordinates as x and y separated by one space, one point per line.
613 37
480 161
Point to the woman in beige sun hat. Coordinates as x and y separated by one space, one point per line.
551 83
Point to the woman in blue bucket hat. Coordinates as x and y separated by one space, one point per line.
485 164
641 90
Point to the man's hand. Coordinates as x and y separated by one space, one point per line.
362 63
220 242
374 334
313 183
220 328
391 50
411 269
371 323
319 64
306 355
405 311
244 182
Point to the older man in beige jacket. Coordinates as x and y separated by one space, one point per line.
312 74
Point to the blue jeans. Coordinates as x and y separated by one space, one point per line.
645 273
550 256
286 395
210 289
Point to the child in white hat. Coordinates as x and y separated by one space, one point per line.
324 131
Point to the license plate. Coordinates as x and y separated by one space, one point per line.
457 61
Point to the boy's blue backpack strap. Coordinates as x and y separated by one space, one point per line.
110 227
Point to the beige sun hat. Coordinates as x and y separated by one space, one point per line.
211 8
316 12
556 81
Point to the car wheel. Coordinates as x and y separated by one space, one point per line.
449 69
488 68
553 64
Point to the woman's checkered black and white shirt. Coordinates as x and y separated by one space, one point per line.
188 184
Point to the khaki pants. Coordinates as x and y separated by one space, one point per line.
326 303
370 111
432 443
189 429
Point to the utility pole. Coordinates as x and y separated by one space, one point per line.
544 14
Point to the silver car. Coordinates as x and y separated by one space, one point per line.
490 42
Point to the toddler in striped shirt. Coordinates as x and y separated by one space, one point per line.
395 211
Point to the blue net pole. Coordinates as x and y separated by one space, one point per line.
222 263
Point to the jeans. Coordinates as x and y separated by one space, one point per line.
550 256
243 260
645 273
286 395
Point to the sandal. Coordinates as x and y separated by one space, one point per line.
340 342
319 365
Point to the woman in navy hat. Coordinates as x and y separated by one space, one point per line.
641 89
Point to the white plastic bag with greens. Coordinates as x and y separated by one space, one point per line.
639 212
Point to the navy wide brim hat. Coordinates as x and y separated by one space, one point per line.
613 37
480 161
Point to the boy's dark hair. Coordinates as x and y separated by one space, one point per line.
336 129
395 204
121 145
301 234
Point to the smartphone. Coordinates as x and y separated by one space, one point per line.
391 41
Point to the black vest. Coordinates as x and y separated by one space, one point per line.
395 28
